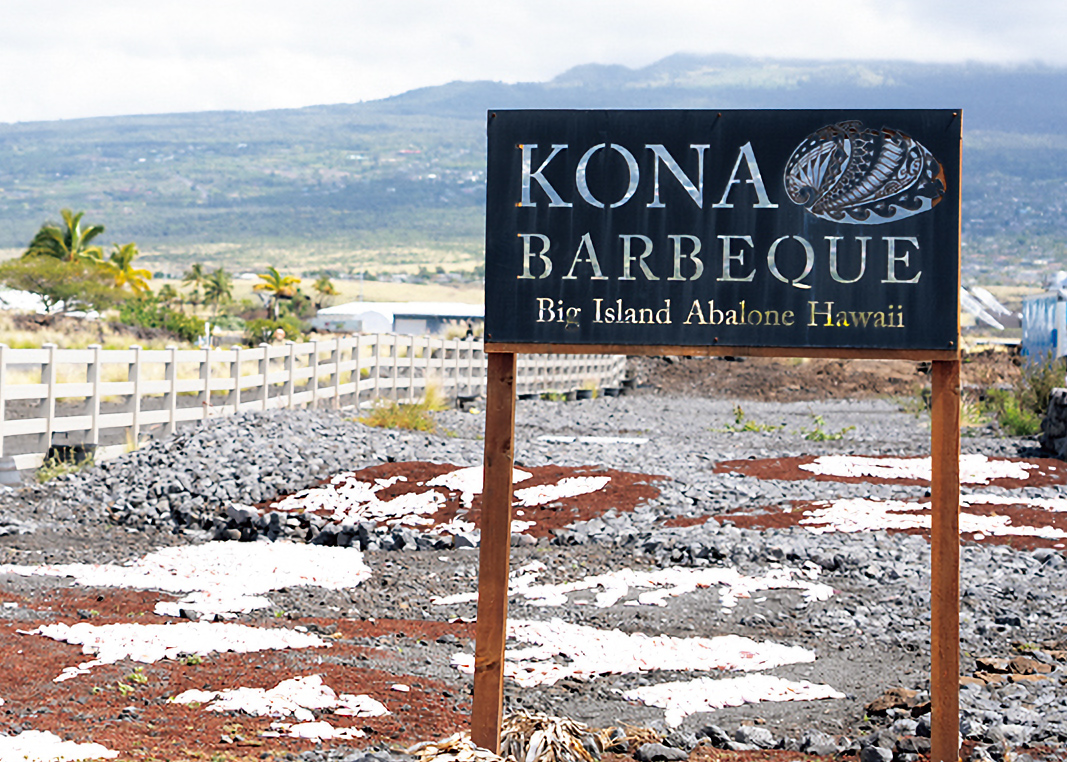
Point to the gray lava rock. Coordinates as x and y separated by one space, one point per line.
655 752
818 743
876 754
755 736
716 735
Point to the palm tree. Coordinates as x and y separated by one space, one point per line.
218 289
120 264
197 276
325 289
69 242
277 286
168 294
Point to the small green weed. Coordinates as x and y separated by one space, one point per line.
917 404
192 660
125 689
818 434
742 424
972 413
138 676
54 468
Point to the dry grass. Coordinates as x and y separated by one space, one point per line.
388 414
71 333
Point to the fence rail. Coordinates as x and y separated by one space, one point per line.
93 396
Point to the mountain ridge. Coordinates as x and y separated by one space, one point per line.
378 178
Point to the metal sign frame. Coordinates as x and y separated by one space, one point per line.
499 456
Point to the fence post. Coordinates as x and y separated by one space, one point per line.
290 383
470 365
443 360
313 382
455 366
170 375
335 359
235 375
205 377
264 371
411 370
134 374
377 365
92 377
357 373
3 390
396 367
48 378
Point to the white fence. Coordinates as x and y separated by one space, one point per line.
87 396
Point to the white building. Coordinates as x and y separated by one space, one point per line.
415 318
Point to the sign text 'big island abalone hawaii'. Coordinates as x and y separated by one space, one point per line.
831 229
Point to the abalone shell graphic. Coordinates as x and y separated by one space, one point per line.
853 174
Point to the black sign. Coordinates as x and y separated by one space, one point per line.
835 229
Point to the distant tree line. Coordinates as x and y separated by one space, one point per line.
67 269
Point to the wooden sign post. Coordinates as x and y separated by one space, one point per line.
664 233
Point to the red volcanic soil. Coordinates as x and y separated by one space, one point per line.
1048 471
125 706
1020 515
133 716
623 492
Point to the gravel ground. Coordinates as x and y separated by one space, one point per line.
870 636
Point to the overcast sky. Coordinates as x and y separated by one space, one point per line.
63 59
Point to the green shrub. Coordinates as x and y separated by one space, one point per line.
1035 385
231 323
147 311
262 330
1013 419
187 327
1021 410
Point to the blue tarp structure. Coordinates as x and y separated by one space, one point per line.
1044 329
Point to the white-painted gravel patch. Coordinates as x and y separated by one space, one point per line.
672 582
572 486
468 481
248 567
562 439
223 577
351 500
149 643
210 604
1052 504
42 746
590 652
298 697
706 694
313 731
974 469
867 515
